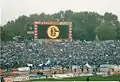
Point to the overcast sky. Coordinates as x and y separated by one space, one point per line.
11 9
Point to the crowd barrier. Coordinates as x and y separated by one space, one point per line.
33 76
24 78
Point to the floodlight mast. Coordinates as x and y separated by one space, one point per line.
62 17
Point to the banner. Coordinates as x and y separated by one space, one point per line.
24 69
117 72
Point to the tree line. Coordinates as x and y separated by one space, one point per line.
86 25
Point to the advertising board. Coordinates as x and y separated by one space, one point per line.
21 78
8 79
31 77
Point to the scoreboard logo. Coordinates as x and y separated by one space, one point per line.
53 32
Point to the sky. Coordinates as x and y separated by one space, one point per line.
12 9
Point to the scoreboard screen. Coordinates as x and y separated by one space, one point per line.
53 30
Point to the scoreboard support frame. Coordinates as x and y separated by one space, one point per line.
52 23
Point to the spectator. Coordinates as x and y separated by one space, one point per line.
88 78
2 79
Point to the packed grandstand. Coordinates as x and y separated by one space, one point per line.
20 54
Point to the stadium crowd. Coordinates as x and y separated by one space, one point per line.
18 54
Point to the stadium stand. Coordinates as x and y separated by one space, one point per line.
19 54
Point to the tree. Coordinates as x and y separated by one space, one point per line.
113 19
106 31
118 32
86 25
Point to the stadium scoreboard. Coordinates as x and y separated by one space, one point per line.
50 30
